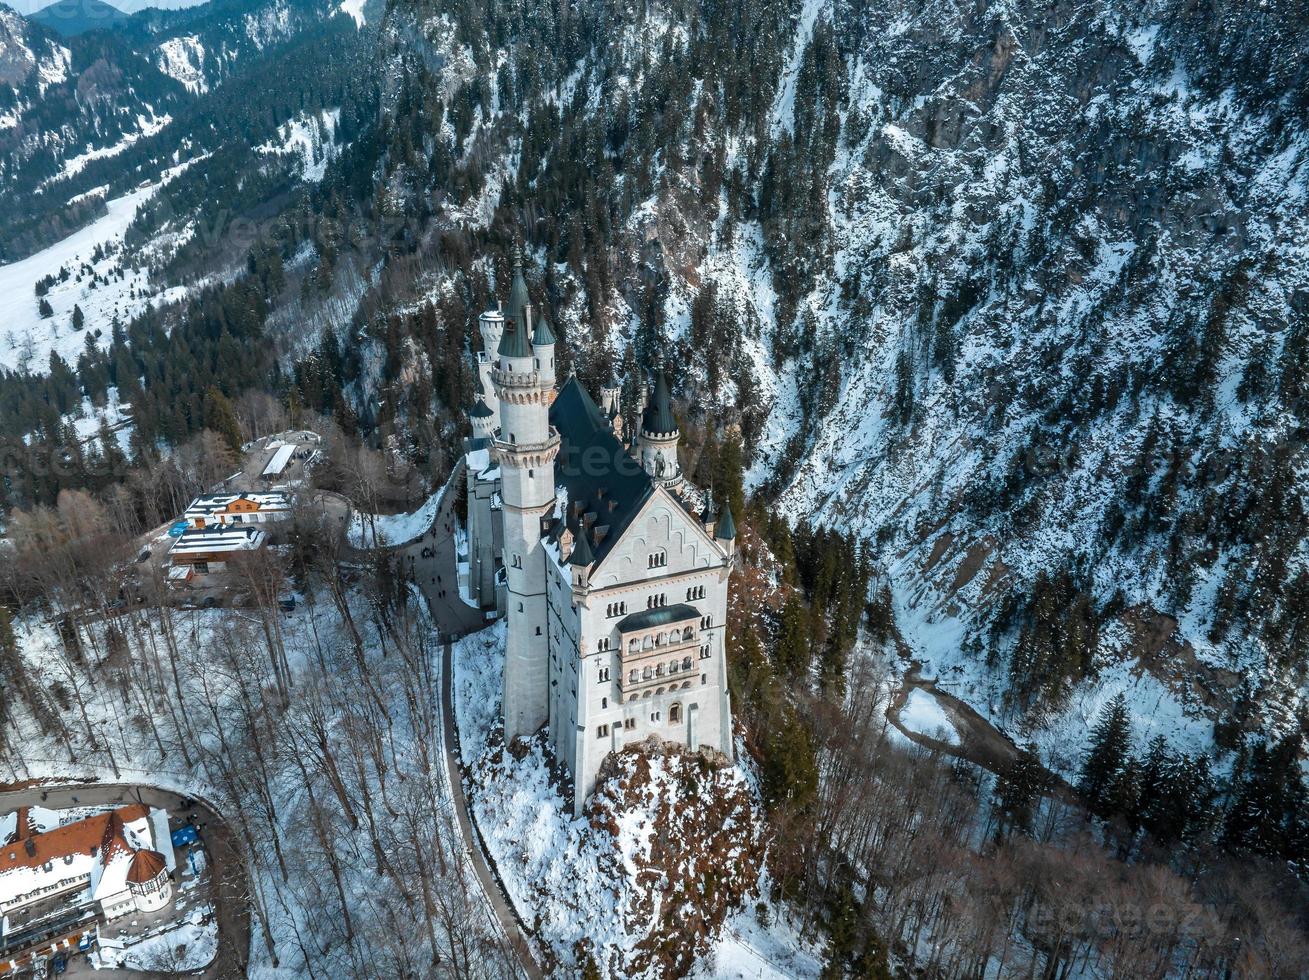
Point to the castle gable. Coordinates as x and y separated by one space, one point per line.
660 538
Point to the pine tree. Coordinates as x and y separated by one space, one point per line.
1111 740
1270 814
1018 792
793 652
221 418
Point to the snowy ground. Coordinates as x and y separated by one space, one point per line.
190 945
578 884
385 530
312 139
26 338
748 950
923 714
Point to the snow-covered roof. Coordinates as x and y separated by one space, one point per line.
219 503
98 848
219 539
280 458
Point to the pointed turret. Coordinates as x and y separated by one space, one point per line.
516 341
659 436
658 418
726 528
582 556
543 336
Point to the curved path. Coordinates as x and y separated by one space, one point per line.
980 742
227 871
431 560
496 896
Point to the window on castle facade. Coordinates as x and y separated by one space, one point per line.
658 559
602 731
634 676
604 674
629 723
674 714
704 653
686 663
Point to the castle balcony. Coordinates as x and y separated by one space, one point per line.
659 650
527 453
515 379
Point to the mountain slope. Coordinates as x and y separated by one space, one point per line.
1015 290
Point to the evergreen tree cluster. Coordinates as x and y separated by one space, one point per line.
1175 799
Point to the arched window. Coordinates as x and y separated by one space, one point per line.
674 714
686 663
673 668
647 644
659 671
634 676
633 644
647 673
688 633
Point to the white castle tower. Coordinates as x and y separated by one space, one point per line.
525 448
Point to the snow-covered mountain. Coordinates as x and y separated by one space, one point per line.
81 112
1016 290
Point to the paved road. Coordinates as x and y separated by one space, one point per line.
226 869
495 893
437 576
437 573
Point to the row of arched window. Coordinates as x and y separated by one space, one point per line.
653 640
650 671
657 559
695 592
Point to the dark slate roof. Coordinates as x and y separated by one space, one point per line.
542 335
708 513
659 413
605 485
725 529
662 616
481 411
582 554
514 342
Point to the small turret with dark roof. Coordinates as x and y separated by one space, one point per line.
658 419
543 336
516 340
708 515
726 528
582 555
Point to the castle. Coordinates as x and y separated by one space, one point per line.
614 590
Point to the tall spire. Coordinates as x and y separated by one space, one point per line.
659 413
515 342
